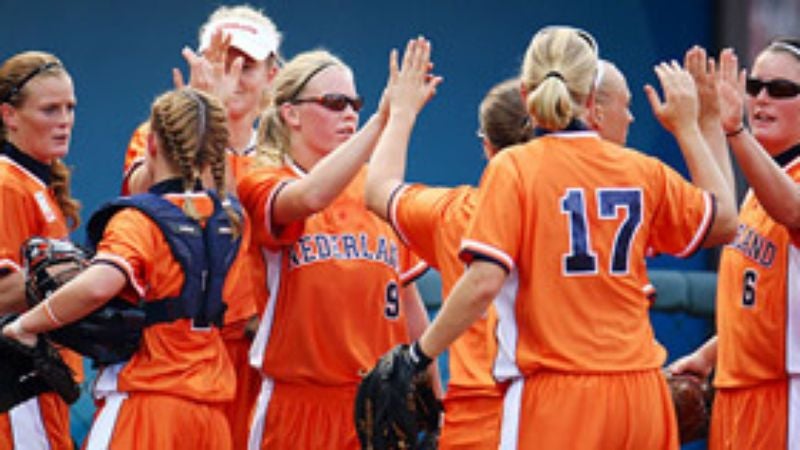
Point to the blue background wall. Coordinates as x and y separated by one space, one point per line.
120 55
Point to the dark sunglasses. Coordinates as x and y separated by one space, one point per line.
333 102
775 88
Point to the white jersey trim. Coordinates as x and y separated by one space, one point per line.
488 250
273 260
103 427
512 403
507 332
27 426
260 414
793 312
702 230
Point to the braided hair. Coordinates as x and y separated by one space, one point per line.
191 127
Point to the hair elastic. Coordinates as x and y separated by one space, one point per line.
556 74
18 87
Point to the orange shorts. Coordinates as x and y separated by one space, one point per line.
156 421
248 383
471 421
304 417
41 422
753 418
623 411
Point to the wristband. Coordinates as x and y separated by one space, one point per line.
51 315
418 357
736 132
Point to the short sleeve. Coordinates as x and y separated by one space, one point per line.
125 246
495 230
257 192
683 214
415 212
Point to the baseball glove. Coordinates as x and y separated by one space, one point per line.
396 407
692 399
29 371
108 335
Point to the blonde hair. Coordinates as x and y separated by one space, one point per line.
558 73
502 116
192 129
273 135
15 73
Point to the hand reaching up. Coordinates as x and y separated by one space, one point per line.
704 73
731 91
210 72
411 84
679 110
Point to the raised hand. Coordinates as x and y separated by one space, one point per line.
680 107
411 84
209 72
704 73
731 91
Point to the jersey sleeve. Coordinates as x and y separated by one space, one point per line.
126 247
134 154
13 233
415 212
683 214
494 232
257 192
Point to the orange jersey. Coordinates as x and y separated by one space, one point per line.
758 299
432 222
571 218
334 280
29 209
173 358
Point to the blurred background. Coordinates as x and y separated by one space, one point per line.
120 55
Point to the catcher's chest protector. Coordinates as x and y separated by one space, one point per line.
204 254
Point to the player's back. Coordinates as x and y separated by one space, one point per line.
589 211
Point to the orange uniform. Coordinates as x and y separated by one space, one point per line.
29 209
247 304
168 395
334 280
432 222
571 217
758 329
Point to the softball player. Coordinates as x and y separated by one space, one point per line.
756 347
566 261
37 102
432 221
337 274
254 38
168 395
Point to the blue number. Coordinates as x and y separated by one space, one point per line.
392 309
749 287
610 200
581 260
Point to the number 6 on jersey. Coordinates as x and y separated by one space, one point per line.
582 260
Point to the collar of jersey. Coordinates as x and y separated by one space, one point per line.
37 168
171 186
788 156
574 128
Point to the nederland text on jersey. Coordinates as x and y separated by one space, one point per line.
754 246
311 248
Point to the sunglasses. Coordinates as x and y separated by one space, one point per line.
333 102
775 88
